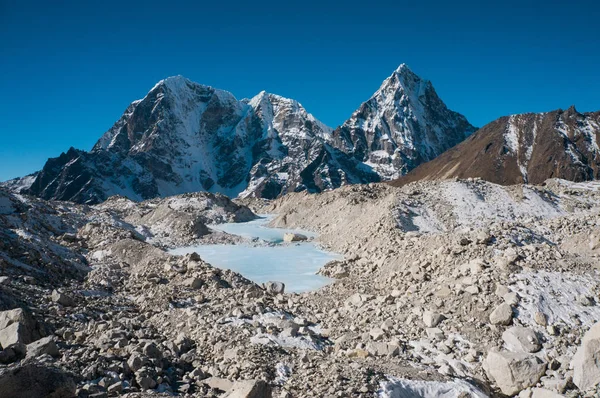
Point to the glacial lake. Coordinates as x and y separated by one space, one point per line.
294 264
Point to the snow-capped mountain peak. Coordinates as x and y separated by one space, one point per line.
185 137
402 125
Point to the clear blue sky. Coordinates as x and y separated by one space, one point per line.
68 69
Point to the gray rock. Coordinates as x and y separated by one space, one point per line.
249 389
274 287
42 346
521 339
513 371
586 362
293 237
14 333
62 299
34 380
502 315
432 319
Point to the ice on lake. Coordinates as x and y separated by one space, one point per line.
293 264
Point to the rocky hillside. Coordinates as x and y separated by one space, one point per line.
402 125
527 148
186 137
459 284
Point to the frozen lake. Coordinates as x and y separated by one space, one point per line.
293 264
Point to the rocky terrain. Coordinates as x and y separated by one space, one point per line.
460 288
186 137
527 148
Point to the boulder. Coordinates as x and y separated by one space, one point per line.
502 315
432 319
521 339
249 389
34 380
293 237
62 299
274 287
513 371
586 362
218 383
41 347
380 349
13 334
543 393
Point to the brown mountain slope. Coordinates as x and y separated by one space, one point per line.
526 148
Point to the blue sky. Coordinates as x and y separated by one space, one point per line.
68 69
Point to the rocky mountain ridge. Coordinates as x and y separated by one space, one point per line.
186 137
526 148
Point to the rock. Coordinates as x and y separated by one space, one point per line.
502 315
540 318
62 299
15 333
249 389
34 380
42 346
26 331
218 383
194 283
435 333
543 393
274 287
586 361
293 237
115 388
146 382
521 339
136 361
432 319
381 349
513 371
377 334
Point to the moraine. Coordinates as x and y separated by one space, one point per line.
294 264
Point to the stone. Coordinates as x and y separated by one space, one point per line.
249 389
273 287
432 319
540 318
543 393
34 380
218 383
136 361
519 338
511 298
435 333
381 349
115 388
513 371
502 315
14 333
146 382
62 299
194 283
293 237
586 361
42 346
376 334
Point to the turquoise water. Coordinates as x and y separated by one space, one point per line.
293 264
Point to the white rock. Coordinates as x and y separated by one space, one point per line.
502 315
586 362
513 371
521 339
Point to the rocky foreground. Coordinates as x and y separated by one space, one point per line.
462 288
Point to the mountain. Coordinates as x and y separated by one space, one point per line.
526 148
187 137
402 125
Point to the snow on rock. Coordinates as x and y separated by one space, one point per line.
560 296
404 388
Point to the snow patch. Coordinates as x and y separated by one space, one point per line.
404 388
